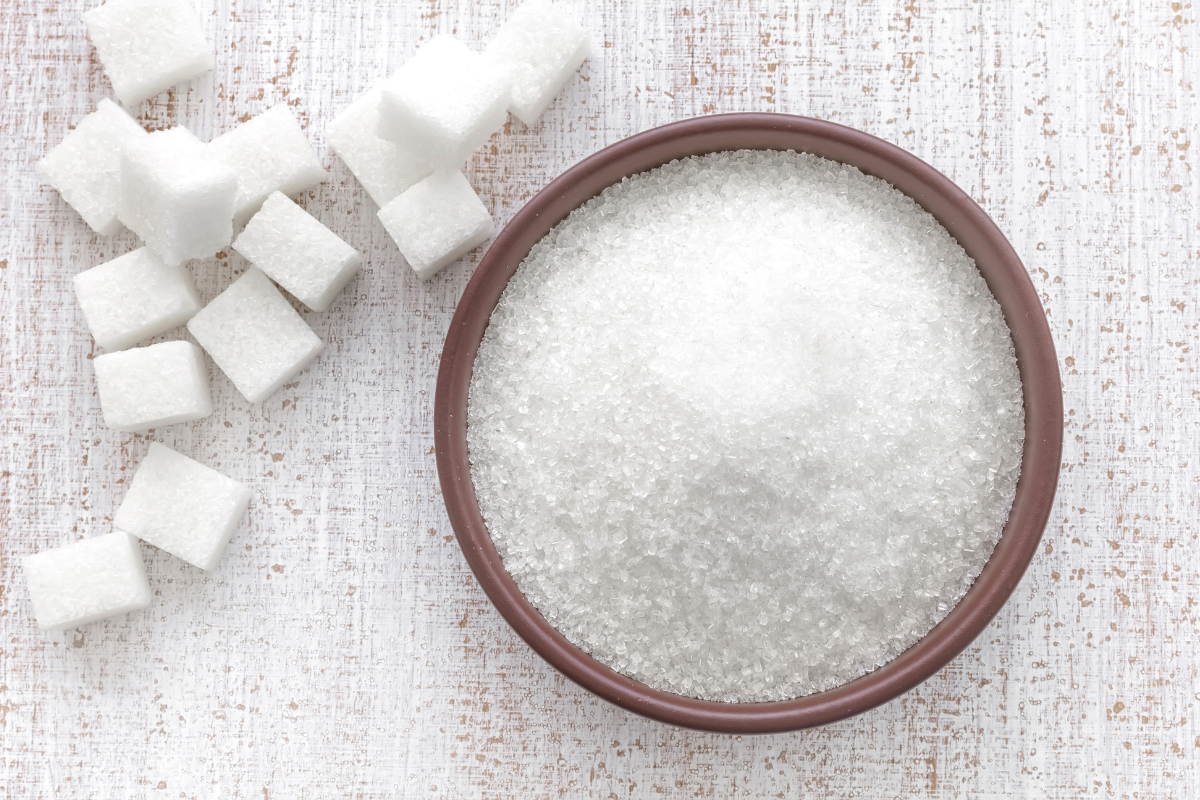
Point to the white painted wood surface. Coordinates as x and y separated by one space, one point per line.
344 649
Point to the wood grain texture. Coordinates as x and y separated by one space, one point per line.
344 649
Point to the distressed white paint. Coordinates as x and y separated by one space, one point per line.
343 648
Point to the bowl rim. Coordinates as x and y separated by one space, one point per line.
1006 278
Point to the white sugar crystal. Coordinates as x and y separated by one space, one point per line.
182 506
538 49
177 196
384 168
87 581
443 103
150 387
148 46
255 336
85 167
436 222
270 153
747 426
135 297
298 252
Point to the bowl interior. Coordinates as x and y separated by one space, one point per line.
1005 276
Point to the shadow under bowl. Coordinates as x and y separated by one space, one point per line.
1005 276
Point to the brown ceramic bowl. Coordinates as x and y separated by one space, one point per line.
1002 270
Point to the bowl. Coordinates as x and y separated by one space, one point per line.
1005 276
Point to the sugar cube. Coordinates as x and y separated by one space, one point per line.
443 103
85 167
86 581
134 297
538 49
177 196
182 506
298 252
384 168
148 46
269 153
436 222
255 336
149 387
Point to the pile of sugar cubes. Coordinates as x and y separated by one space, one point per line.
406 141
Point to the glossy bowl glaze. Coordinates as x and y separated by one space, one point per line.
1005 276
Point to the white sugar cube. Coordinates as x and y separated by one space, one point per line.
183 507
85 167
436 222
150 387
384 168
177 196
86 581
443 103
135 297
538 49
255 336
270 153
148 46
298 252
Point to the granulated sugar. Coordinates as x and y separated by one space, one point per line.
745 427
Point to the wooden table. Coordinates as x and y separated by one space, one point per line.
344 649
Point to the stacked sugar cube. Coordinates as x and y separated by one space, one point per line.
407 139
176 196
